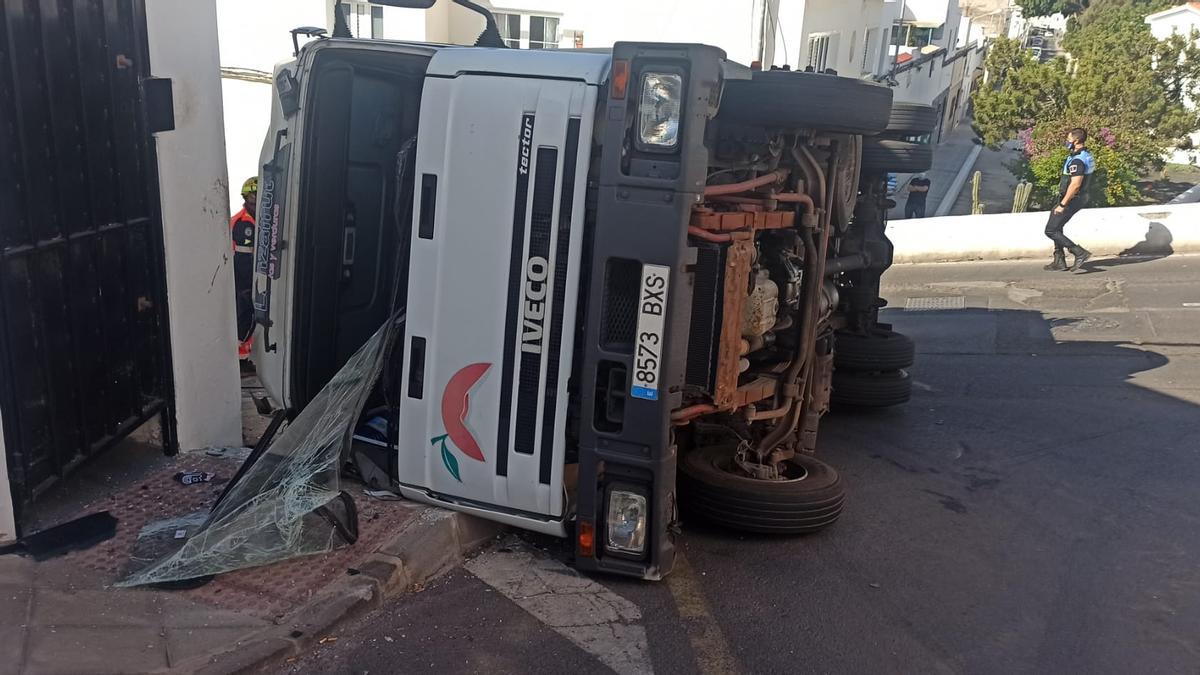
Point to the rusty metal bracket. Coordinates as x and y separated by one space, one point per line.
729 221
737 266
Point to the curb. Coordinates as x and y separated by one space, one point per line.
430 544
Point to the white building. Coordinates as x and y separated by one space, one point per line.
1182 20
852 37
1020 25
936 54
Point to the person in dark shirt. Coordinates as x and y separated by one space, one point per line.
918 190
1072 196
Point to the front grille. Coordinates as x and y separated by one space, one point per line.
704 331
562 257
622 286
529 381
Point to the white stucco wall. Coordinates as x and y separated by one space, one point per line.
1002 236
847 23
195 208
1179 21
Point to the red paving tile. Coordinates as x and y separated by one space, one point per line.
275 590
268 591
156 497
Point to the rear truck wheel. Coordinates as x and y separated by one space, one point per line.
912 119
879 349
882 155
870 390
807 499
790 100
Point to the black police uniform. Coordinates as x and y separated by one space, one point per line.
1078 164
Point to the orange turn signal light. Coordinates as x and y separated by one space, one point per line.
620 79
587 539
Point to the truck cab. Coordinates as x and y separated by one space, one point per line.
618 278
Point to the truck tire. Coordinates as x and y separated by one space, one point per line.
870 390
798 100
809 502
881 155
912 119
878 350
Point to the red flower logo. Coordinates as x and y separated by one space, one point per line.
456 405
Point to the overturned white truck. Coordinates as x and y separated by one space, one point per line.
632 280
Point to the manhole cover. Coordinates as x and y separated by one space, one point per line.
935 303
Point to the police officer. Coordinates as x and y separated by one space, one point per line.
1072 191
241 228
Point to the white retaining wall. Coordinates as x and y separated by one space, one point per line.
195 215
1104 231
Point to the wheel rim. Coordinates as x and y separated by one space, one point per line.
848 174
792 472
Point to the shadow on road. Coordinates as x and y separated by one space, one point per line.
1105 264
1154 246
1032 509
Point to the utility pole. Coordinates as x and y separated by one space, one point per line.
896 47
758 17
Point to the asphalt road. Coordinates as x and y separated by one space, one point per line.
1036 508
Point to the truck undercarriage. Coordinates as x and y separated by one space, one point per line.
783 245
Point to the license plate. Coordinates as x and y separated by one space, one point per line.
648 345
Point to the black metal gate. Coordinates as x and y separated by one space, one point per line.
84 348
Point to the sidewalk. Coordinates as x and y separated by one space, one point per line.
948 158
998 186
64 616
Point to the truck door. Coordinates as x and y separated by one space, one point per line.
501 172
332 208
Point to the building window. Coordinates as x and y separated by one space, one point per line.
363 18
510 29
910 34
528 31
818 52
543 32
868 43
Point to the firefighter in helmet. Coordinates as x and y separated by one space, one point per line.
242 228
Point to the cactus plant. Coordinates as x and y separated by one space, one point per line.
976 205
1021 197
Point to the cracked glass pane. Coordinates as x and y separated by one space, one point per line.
289 502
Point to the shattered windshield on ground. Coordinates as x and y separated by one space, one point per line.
288 502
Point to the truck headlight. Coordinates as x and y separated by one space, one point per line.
658 109
626 521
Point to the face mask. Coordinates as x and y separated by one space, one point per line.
1069 145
